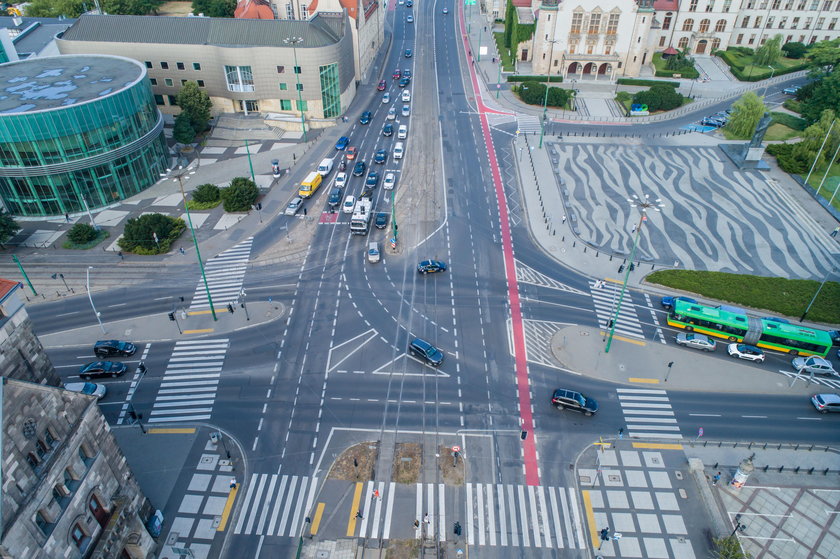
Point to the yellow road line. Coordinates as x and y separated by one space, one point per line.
193 313
644 380
351 524
172 431
590 518
623 339
317 520
228 507
613 280
666 446
202 331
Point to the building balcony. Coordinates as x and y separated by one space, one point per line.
703 35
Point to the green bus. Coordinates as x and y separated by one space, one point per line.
739 327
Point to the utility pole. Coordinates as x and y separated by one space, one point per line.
294 41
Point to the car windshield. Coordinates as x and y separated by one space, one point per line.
580 399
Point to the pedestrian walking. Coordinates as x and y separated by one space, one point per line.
304 211
564 218
120 254
426 519
233 483
833 233
716 478
182 250
359 514
375 495
67 218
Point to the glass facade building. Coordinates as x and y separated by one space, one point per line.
76 131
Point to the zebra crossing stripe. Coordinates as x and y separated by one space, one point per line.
389 508
491 513
480 505
544 513
258 494
576 514
526 541
514 531
264 514
442 509
285 518
246 502
419 511
558 533
366 514
535 526
294 527
470 517
500 489
431 509
225 275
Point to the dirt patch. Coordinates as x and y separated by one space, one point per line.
451 474
175 9
356 463
408 459
400 549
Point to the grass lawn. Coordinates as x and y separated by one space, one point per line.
504 52
688 72
830 185
779 132
781 296
749 72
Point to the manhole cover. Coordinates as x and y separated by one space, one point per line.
678 474
614 478
322 554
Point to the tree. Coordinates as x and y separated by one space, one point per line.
746 112
8 227
794 49
151 233
824 95
130 7
196 104
55 8
510 21
532 92
558 97
768 53
659 97
799 157
214 8
206 193
729 548
82 233
240 195
824 56
183 131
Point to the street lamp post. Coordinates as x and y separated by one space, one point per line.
499 79
296 41
644 206
739 527
814 298
90 298
767 83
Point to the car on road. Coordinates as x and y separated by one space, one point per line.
367 193
392 113
826 402
111 348
835 337
99 369
359 168
815 365
294 206
430 354
669 301
408 53
381 220
564 399
365 118
791 90
335 197
409 3
386 98
342 143
349 204
388 129
410 18
404 82
341 180
381 156
397 74
431 267
373 254
402 134
697 341
382 85
406 110
745 351
407 73
445 11
372 179
406 96
390 181
351 153
89 388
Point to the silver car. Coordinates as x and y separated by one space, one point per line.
697 341
294 206
815 365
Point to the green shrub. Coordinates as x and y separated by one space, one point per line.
789 120
659 98
790 159
240 195
794 49
100 236
648 83
82 233
192 205
140 232
206 193
523 78
792 105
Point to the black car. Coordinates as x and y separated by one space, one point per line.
404 81
366 194
108 348
371 180
388 129
381 156
365 118
669 301
432 355
359 168
102 369
431 267
571 400
335 197
381 221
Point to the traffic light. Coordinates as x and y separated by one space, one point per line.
620 268
171 316
132 416
632 266
230 308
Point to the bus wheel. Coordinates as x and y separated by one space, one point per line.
689 329
732 339
794 352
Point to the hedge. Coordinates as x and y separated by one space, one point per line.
688 72
733 56
647 83
524 78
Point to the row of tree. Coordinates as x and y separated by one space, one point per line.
75 8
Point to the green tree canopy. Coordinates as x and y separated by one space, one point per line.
824 56
746 112
729 548
768 53
206 193
814 136
82 233
183 131
825 95
660 97
130 7
55 8
240 195
140 232
794 49
8 227
214 8
196 104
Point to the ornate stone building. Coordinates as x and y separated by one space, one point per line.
21 354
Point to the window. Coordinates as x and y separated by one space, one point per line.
301 105
168 82
149 65
666 21
200 83
820 23
815 5
594 23
42 523
572 48
757 23
692 7
704 25
239 78
832 23
826 5
299 86
608 49
590 48
285 105
184 82
745 22
752 39
281 69
795 24
180 66
331 90
196 66
41 448
662 41
290 12
720 26
808 21
172 100
164 65
159 100
50 439
688 25
726 5
577 22
715 44
782 23
284 86
79 537
683 43
740 39
710 7
612 24
153 81
770 21
776 4
298 70
32 460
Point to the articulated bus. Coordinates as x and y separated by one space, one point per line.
738 327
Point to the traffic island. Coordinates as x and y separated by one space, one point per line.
408 461
356 463
451 468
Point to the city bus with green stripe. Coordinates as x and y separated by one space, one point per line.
740 327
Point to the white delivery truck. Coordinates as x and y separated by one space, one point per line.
325 167
360 221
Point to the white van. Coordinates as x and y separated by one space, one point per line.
402 132
398 150
325 167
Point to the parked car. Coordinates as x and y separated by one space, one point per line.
390 181
697 341
359 169
744 351
294 206
372 179
575 401
408 53
365 118
89 388
430 354
99 369
431 267
342 143
815 365
826 402
341 180
388 129
111 348
349 204
669 301
381 156
382 85
791 90
381 221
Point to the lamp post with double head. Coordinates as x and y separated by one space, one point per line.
294 41
90 298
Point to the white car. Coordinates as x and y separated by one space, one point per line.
402 132
745 351
406 110
349 204
406 96
89 388
410 19
392 113
390 181
386 98
341 180
294 206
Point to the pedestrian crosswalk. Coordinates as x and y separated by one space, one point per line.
189 384
527 124
275 505
225 274
605 296
526 274
797 377
648 413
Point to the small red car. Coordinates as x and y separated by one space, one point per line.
381 86
397 74
351 153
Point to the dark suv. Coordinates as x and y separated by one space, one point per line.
569 399
109 348
432 355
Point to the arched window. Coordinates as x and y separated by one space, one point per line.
715 44
720 26
688 25
704 25
683 43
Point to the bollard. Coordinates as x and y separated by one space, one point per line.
781 469
749 446
796 447
766 466
715 467
796 470
611 257
563 239
584 249
825 472
574 243
765 446
811 471
596 254
780 447
810 449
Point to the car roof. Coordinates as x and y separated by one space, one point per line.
829 398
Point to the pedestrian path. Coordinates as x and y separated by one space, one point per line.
527 124
225 274
188 388
605 298
648 413
275 505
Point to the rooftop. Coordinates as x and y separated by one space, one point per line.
42 84
33 34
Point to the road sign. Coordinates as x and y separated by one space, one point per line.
456 448
700 432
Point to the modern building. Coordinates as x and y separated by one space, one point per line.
21 354
76 132
28 37
244 65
